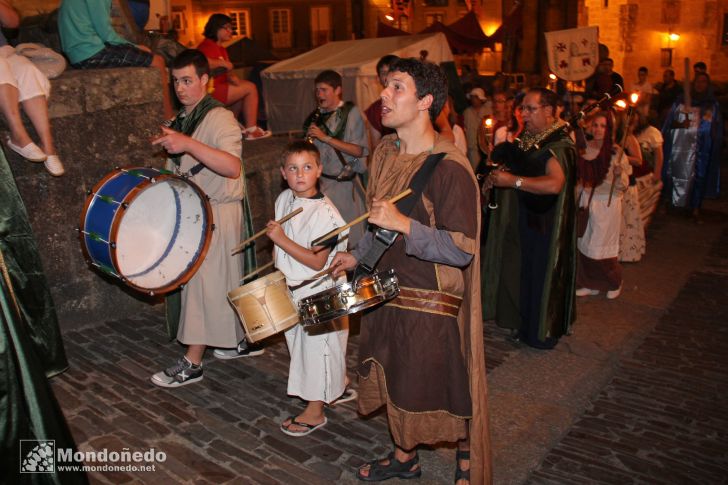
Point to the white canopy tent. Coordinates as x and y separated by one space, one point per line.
288 85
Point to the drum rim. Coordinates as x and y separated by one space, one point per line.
118 216
272 276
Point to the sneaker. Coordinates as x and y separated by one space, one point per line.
612 294
30 152
244 349
586 292
255 133
54 166
180 374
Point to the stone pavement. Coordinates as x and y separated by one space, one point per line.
634 395
662 418
223 429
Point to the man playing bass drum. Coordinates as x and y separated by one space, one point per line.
529 262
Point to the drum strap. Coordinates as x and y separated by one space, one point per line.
384 238
187 124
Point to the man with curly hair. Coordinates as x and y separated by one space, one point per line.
422 353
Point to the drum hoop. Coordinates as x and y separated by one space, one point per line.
116 222
84 213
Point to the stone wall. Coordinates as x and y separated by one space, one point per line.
102 119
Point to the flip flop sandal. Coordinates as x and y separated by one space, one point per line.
310 428
395 469
461 474
349 394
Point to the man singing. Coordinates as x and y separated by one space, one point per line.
422 353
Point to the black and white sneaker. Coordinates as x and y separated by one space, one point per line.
180 374
244 349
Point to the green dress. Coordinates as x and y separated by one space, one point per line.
31 349
529 260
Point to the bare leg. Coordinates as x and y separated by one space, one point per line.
236 108
313 415
158 62
463 464
194 353
247 93
37 110
11 110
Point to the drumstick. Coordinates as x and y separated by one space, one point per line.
325 272
356 221
283 219
259 270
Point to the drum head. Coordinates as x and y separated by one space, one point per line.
161 233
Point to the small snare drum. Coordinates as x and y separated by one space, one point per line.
348 298
264 306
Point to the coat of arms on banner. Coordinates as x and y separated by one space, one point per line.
574 53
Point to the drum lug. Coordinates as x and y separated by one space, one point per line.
89 192
124 205
213 227
113 245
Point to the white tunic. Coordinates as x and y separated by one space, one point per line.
318 353
206 317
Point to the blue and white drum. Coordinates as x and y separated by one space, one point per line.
147 227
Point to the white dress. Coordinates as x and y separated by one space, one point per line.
601 238
318 353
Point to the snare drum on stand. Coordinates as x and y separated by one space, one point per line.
147 227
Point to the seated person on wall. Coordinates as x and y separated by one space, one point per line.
237 94
90 42
22 82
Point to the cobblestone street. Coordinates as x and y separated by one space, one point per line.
635 395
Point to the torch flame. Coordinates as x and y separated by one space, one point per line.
634 97
621 104
489 122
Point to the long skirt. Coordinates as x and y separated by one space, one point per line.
632 230
649 191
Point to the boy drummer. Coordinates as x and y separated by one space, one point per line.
318 355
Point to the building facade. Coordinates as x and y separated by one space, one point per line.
285 27
659 34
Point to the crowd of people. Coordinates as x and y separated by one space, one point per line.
559 207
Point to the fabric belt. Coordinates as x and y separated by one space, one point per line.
427 301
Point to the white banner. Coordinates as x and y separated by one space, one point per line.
574 53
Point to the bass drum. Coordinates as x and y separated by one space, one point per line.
147 227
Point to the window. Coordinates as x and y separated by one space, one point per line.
432 17
179 22
241 22
320 25
280 28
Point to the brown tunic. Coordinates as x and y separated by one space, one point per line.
422 353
